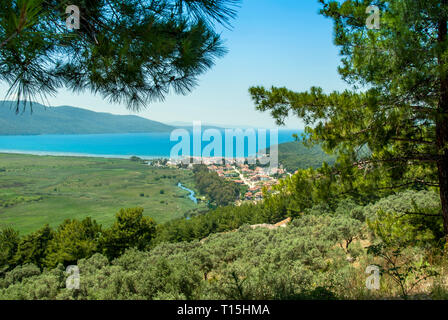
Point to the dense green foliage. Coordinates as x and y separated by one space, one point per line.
318 256
248 264
9 241
220 191
408 219
32 248
295 155
109 54
322 254
398 109
130 230
74 240
219 220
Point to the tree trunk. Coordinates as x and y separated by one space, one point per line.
443 181
442 124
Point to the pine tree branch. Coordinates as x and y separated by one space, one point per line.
5 42
420 214
22 22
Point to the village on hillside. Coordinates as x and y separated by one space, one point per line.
254 177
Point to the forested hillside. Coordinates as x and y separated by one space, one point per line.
219 191
295 155
39 119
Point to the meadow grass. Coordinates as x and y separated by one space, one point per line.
38 190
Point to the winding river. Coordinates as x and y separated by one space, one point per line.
191 196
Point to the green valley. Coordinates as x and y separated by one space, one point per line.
35 190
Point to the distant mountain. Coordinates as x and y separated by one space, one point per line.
294 155
71 120
180 124
208 125
205 125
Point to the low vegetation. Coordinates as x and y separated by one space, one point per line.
38 190
338 228
322 254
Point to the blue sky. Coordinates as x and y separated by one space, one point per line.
273 42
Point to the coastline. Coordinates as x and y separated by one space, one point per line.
204 160
109 156
146 146
81 155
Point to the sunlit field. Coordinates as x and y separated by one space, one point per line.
36 190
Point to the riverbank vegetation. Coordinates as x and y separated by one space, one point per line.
219 191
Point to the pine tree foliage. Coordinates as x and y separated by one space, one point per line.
393 126
133 52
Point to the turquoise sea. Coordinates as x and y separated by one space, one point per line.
144 145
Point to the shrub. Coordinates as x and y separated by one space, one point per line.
73 240
130 230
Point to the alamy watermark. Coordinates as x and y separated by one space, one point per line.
73 280
373 281
373 20
73 21
233 141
